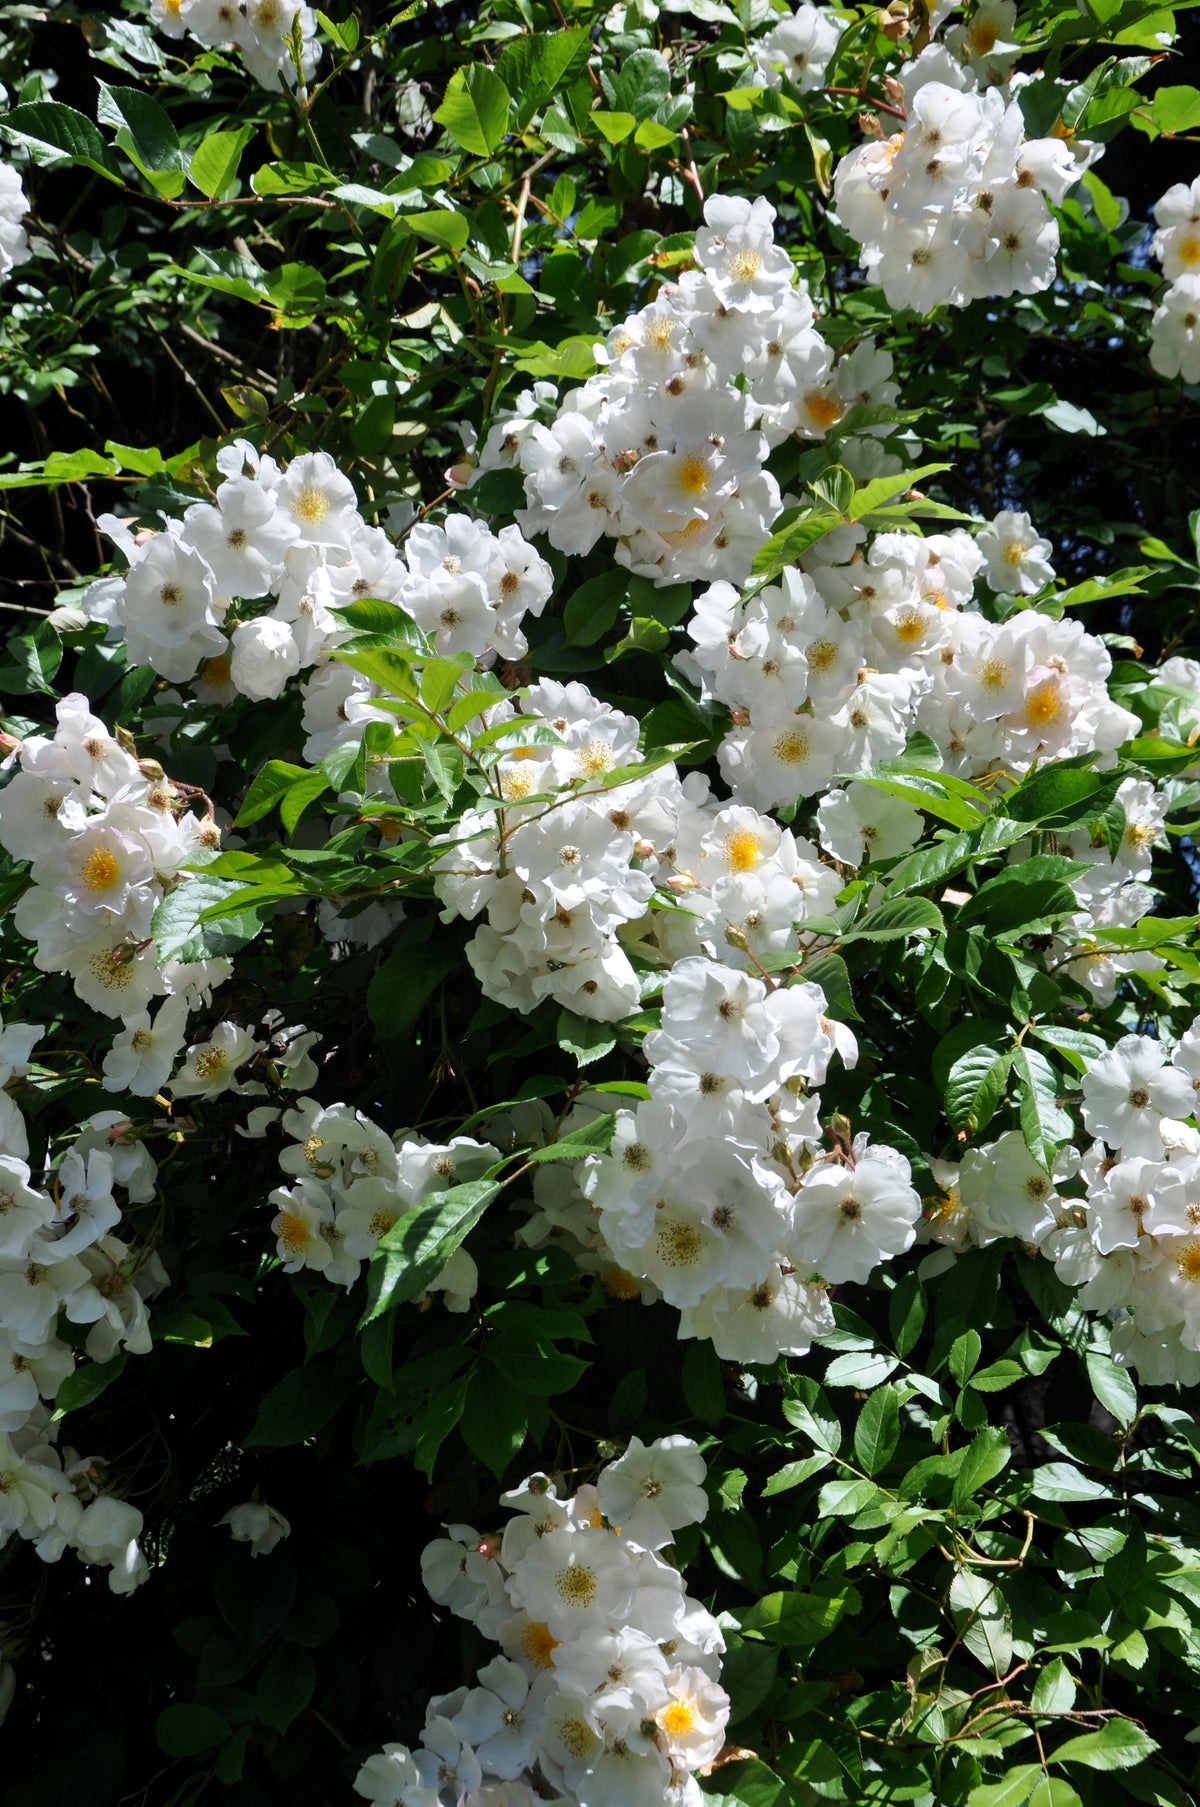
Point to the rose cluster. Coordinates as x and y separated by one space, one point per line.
721 1192
954 206
1120 1220
664 450
607 1691
14 246
1175 328
60 1256
243 587
830 670
584 865
350 1183
270 35
105 836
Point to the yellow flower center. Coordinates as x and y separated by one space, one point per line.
595 759
1188 1263
100 870
1043 705
694 475
791 747
745 265
743 850
538 1644
292 1232
678 1719
679 1243
822 407
310 504
577 1585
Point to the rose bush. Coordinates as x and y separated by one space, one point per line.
600 1181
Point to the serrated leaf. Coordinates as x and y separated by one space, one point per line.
181 934
878 1430
214 165
589 1138
1119 1744
475 109
416 1249
47 125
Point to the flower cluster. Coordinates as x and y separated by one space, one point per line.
1113 894
607 1693
1121 1220
14 246
105 837
289 541
1175 328
589 863
720 1189
830 670
350 1183
664 449
272 36
59 1255
954 206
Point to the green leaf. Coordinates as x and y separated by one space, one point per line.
878 1430
1054 792
405 981
494 1418
797 1619
1119 1744
416 1249
290 178
810 1411
613 127
703 1386
145 134
584 1039
285 1687
46 125
1054 1690
1063 1481
785 546
862 1368
267 789
1052 1791
964 1355
881 489
1176 109
535 64
1113 1387
295 288
180 933
214 165
475 109
1044 1125
1012 1790
895 919
636 84
184 1730
589 1138
442 227
298 1407
593 608
87 1383
830 972
345 32
986 1457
